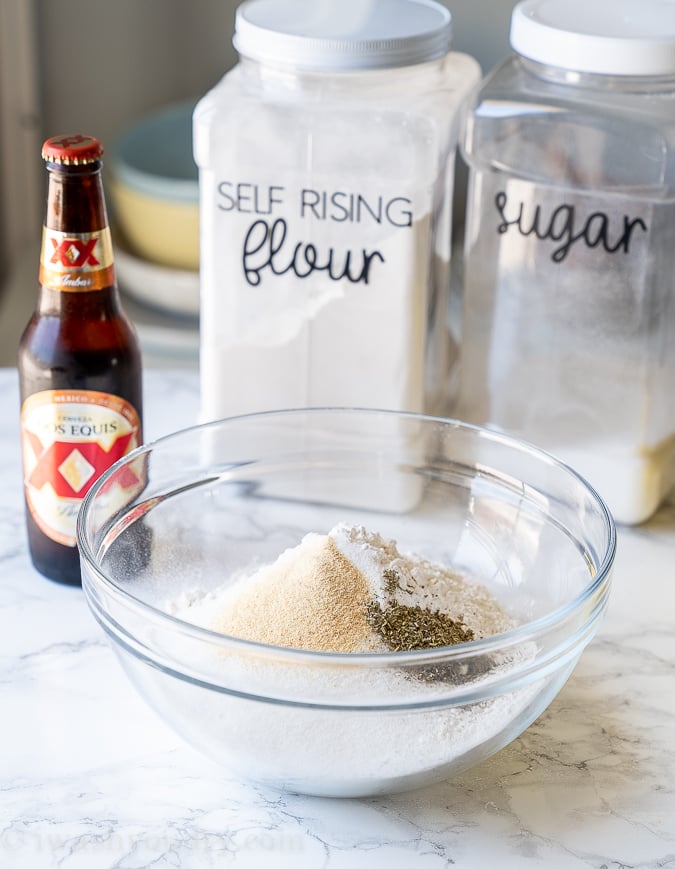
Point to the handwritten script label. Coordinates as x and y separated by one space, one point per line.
564 225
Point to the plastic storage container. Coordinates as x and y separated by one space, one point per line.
326 162
569 266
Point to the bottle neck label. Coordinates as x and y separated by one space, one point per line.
69 438
76 262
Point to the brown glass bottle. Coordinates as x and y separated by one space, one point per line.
79 360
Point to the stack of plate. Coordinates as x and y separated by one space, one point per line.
154 193
164 305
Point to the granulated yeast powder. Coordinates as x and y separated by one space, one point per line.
311 598
350 590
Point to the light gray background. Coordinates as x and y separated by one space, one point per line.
101 65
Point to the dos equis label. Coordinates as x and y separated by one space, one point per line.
69 438
76 262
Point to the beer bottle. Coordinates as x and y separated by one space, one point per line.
79 360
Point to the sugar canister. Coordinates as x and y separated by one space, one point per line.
326 160
568 332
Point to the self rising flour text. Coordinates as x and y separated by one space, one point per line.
269 246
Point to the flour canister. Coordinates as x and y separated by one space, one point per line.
569 266
326 160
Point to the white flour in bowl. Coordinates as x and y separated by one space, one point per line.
351 751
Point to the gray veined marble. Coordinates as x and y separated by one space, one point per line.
90 778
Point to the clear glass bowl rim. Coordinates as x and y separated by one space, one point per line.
522 633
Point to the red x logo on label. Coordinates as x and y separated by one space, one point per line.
88 460
74 253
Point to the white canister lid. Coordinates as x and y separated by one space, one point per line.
342 34
610 37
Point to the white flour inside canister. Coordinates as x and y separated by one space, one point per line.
321 342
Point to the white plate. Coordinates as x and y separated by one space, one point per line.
173 290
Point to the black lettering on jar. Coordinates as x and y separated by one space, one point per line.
566 227
248 198
266 250
343 207
340 209
399 211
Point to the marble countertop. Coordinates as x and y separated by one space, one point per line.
90 777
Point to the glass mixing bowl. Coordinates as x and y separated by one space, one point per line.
222 498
